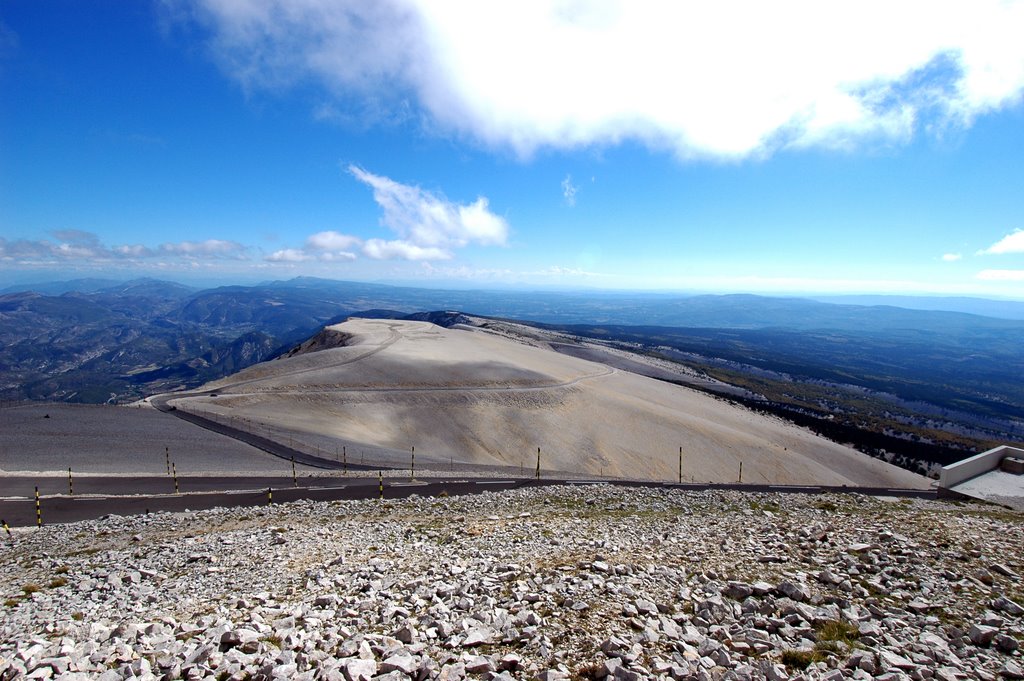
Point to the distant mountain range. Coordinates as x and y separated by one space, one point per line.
97 341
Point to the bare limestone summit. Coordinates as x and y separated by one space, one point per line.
487 395
593 582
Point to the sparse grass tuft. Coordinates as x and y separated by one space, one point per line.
62 570
800 659
11 602
57 582
30 589
78 616
838 631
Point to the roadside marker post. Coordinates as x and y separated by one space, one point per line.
39 510
741 472
412 466
71 484
270 496
174 472
167 456
10 537
344 460
380 478
680 465
295 479
538 463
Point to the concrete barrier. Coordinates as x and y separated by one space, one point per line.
960 471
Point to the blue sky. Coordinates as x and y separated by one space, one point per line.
805 148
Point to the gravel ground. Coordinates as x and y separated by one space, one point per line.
582 582
111 440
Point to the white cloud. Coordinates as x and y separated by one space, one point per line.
133 251
211 248
1001 275
429 226
329 246
379 249
952 257
332 241
722 79
288 255
1011 243
569 190
73 244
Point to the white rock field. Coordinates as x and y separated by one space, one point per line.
593 582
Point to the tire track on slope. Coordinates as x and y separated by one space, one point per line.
426 389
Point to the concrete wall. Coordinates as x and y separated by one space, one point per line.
956 473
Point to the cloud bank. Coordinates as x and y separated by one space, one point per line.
72 245
429 227
727 79
1011 243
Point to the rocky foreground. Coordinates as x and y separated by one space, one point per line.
582 582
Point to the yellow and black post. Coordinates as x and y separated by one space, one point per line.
39 510
71 484
538 463
167 456
344 461
174 472
741 472
412 465
270 495
295 479
7 529
380 482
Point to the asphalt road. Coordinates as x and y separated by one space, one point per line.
61 508
24 485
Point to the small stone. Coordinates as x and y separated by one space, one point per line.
393 675
982 635
1011 670
452 672
1006 643
1002 569
645 607
829 577
478 664
479 636
551 675
793 590
510 662
737 591
1004 604
890 660
403 662
919 606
